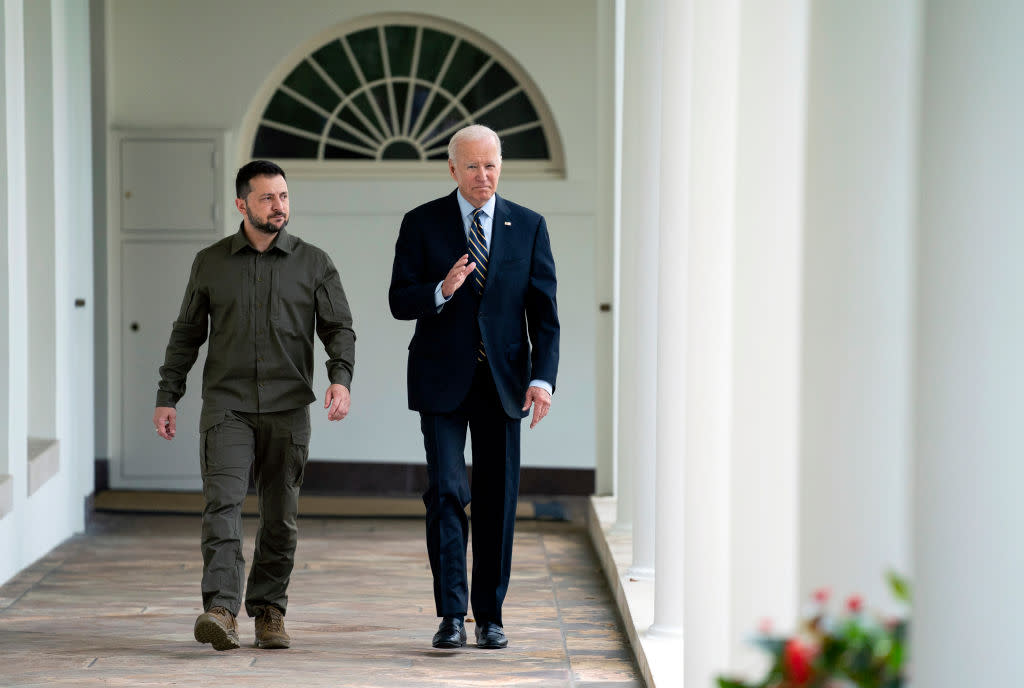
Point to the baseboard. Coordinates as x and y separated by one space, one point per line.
353 478
101 474
325 506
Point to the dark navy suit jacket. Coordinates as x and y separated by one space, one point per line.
517 315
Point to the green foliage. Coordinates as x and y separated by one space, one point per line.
899 586
849 650
726 683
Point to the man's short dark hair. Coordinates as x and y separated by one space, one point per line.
256 168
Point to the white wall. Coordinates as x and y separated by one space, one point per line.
857 296
56 510
11 203
98 82
608 68
380 426
169 70
12 557
73 201
39 143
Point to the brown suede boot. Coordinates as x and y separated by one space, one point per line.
270 633
217 627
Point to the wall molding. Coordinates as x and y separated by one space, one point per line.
402 480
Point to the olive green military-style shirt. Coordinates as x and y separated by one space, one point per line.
261 310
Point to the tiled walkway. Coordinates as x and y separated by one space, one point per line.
115 607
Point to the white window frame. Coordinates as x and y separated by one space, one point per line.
554 166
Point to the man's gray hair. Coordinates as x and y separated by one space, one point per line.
474 132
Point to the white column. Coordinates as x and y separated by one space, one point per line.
641 138
855 376
767 329
709 318
969 366
673 306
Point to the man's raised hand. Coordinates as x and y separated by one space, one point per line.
456 276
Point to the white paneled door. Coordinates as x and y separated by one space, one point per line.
167 204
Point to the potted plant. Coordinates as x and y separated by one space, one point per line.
850 650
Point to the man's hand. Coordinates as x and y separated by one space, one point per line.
337 402
539 398
165 420
457 275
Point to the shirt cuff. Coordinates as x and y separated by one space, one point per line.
543 385
439 299
165 399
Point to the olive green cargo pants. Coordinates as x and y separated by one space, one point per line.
275 446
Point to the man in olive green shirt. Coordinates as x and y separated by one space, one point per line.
259 293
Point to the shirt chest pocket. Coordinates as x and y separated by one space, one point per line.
291 300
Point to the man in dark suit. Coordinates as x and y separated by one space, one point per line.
476 273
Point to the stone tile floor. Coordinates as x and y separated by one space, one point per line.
115 607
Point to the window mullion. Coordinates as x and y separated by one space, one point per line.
411 93
436 86
474 116
458 97
345 99
366 87
388 81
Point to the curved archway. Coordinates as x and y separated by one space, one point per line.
385 92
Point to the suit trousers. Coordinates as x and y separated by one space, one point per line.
493 493
275 446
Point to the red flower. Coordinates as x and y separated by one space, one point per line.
796 659
821 595
855 604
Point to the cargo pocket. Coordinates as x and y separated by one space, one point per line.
299 455
209 419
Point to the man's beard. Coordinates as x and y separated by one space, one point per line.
264 225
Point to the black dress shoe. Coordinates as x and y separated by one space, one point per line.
451 633
490 636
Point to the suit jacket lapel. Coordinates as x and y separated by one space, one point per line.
454 228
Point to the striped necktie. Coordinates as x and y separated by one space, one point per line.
478 253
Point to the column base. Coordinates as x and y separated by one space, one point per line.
664 631
640 573
621 527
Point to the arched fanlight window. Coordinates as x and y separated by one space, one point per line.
391 90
